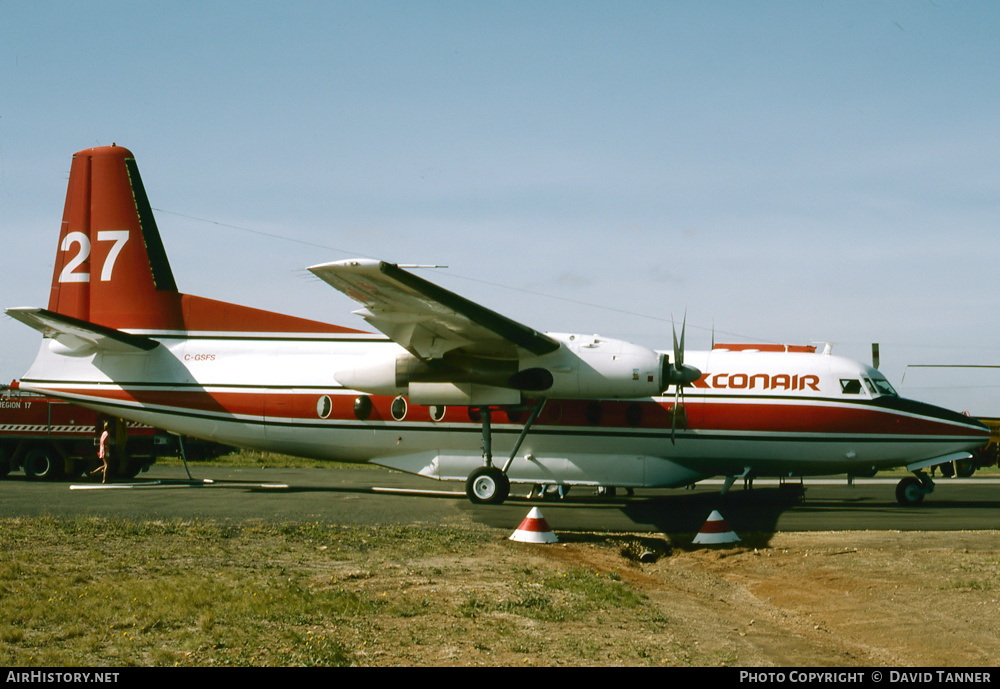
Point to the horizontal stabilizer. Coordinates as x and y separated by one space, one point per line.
77 336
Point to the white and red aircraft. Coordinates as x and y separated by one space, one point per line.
447 383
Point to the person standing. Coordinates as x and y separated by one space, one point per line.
104 454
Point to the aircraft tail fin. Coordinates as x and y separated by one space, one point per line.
111 268
112 275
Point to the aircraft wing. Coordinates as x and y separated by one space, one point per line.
80 336
426 319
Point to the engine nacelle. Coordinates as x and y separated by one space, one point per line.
590 366
451 380
375 375
585 366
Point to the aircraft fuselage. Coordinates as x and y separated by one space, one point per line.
781 413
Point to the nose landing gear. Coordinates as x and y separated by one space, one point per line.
911 490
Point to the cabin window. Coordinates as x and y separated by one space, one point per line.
398 408
593 413
633 414
362 408
850 386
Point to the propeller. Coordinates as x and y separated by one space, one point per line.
680 375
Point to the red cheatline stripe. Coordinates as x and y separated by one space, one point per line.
750 418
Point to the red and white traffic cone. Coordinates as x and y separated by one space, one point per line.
715 531
534 529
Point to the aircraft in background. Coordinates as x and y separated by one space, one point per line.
447 388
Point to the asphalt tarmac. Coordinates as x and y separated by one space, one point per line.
372 496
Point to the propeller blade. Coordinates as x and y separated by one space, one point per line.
680 375
678 346
673 416
684 323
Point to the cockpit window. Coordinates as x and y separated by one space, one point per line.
850 386
881 387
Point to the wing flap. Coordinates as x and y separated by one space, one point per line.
426 319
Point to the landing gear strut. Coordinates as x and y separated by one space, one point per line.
489 485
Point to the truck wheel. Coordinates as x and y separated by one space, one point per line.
129 469
73 469
964 468
40 465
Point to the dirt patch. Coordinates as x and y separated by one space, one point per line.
809 599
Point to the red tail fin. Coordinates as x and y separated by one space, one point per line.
111 268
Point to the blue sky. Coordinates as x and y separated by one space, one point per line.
781 171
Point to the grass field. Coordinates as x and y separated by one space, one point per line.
256 458
106 592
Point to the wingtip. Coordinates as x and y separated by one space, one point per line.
349 263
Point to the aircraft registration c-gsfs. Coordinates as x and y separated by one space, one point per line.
446 388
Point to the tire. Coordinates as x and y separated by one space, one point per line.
130 469
909 492
487 486
41 464
964 468
74 469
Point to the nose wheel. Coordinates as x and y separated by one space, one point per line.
912 489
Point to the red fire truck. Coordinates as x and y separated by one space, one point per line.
51 439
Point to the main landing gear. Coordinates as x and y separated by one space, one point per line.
489 485
912 489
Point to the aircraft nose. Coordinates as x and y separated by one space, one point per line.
969 431
984 431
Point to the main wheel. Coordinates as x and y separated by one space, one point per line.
909 492
487 486
41 465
